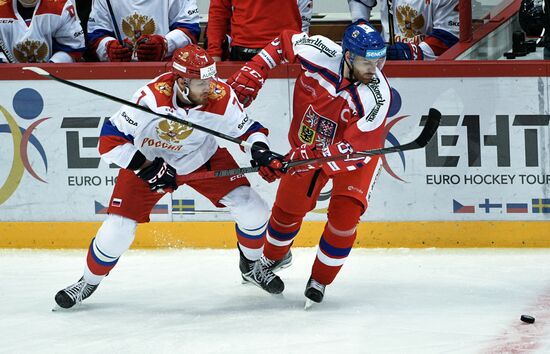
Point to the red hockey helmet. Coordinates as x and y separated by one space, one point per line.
193 62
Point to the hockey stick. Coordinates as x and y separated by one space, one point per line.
5 50
430 127
117 30
115 25
44 73
390 21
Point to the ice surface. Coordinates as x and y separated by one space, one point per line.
192 301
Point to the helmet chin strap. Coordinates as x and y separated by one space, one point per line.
350 69
28 3
185 92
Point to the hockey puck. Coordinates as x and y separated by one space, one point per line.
527 319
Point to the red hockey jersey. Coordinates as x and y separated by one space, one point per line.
327 107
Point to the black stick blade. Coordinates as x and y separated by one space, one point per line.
432 123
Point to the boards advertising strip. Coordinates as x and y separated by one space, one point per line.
483 181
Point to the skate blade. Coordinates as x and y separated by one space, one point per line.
252 282
58 308
245 281
308 304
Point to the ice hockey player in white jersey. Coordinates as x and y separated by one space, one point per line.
139 30
154 154
38 31
421 29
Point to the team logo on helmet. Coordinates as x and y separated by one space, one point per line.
136 25
410 22
193 62
183 56
217 91
164 88
361 39
173 132
31 51
3 2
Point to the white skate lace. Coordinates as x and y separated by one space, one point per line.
79 291
261 271
316 285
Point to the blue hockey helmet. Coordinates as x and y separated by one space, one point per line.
361 39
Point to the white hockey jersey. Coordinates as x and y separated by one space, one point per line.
54 33
176 20
186 149
431 24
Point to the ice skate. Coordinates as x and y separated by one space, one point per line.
282 263
261 275
74 294
246 265
314 292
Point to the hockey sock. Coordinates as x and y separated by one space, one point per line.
250 212
113 238
337 239
98 264
251 241
281 231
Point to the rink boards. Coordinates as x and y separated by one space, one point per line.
483 181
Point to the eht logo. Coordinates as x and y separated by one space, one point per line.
476 144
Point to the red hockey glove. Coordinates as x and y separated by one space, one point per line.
247 81
303 152
151 47
119 52
270 163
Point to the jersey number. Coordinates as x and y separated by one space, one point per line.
140 97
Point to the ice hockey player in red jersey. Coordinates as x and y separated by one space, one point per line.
340 102
154 153
39 31
142 30
422 29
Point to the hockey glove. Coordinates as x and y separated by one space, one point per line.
159 175
404 51
247 81
119 52
151 47
270 163
303 152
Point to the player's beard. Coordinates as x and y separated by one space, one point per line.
198 99
186 96
355 76
363 78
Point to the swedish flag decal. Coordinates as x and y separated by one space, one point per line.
541 205
183 206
